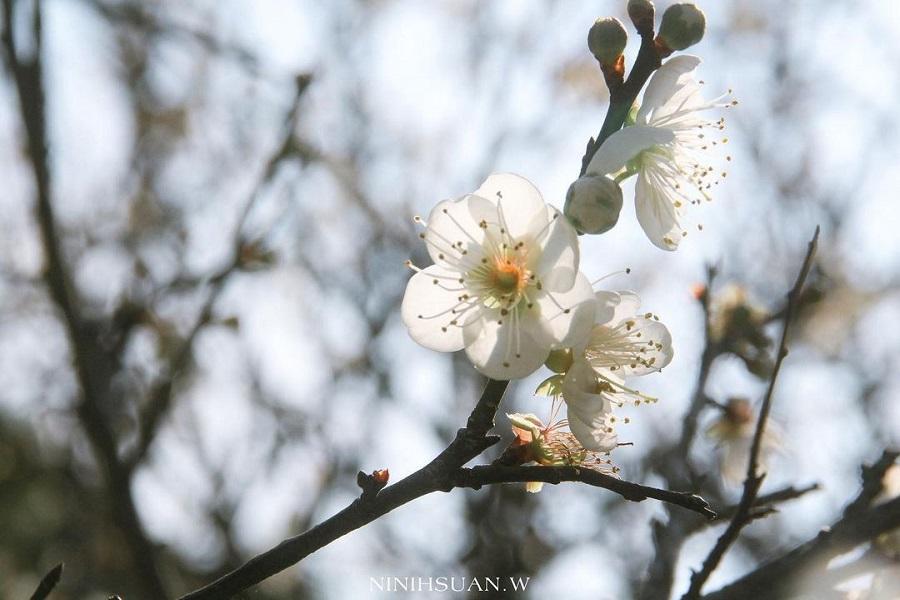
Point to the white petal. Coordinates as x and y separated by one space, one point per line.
578 386
505 351
652 330
521 205
426 310
597 434
624 305
665 83
449 223
482 209
559 257
651 341
624 145
657 214
734 460
564 319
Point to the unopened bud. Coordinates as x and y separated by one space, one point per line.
593 203
381 476
682 26
641 13
607 39
559 360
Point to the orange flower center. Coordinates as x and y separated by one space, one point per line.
508 277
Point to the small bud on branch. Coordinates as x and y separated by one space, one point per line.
683 25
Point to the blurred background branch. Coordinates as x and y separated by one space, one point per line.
203 227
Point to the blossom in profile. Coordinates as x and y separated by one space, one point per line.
621 344
733 431
550 445
675 151
504 285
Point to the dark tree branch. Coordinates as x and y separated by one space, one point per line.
871 482
775 579
490 474
761 503
444 473
87 355
743 515
435 476
48 583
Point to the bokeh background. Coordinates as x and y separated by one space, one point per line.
233 184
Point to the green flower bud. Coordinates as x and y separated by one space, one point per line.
682 26
559 360
607 39
593 203
641 13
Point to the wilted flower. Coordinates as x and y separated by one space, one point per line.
551 445
621 344
734 432
669 147
505 284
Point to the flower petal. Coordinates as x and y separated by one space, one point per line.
596 434
657 214
504 351
557 265
665 83
616 307
579 385
452 230
659 347
564 319
427 310
521 206
624 145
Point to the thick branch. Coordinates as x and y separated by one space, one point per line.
774 579
744 515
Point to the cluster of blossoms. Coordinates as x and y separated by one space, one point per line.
506 288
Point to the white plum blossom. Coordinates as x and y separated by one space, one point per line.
670 147
734 432
622 343
505 285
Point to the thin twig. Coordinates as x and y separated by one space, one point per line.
752 483
161 396
444 473
491 474
48 583
469 442
767 500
